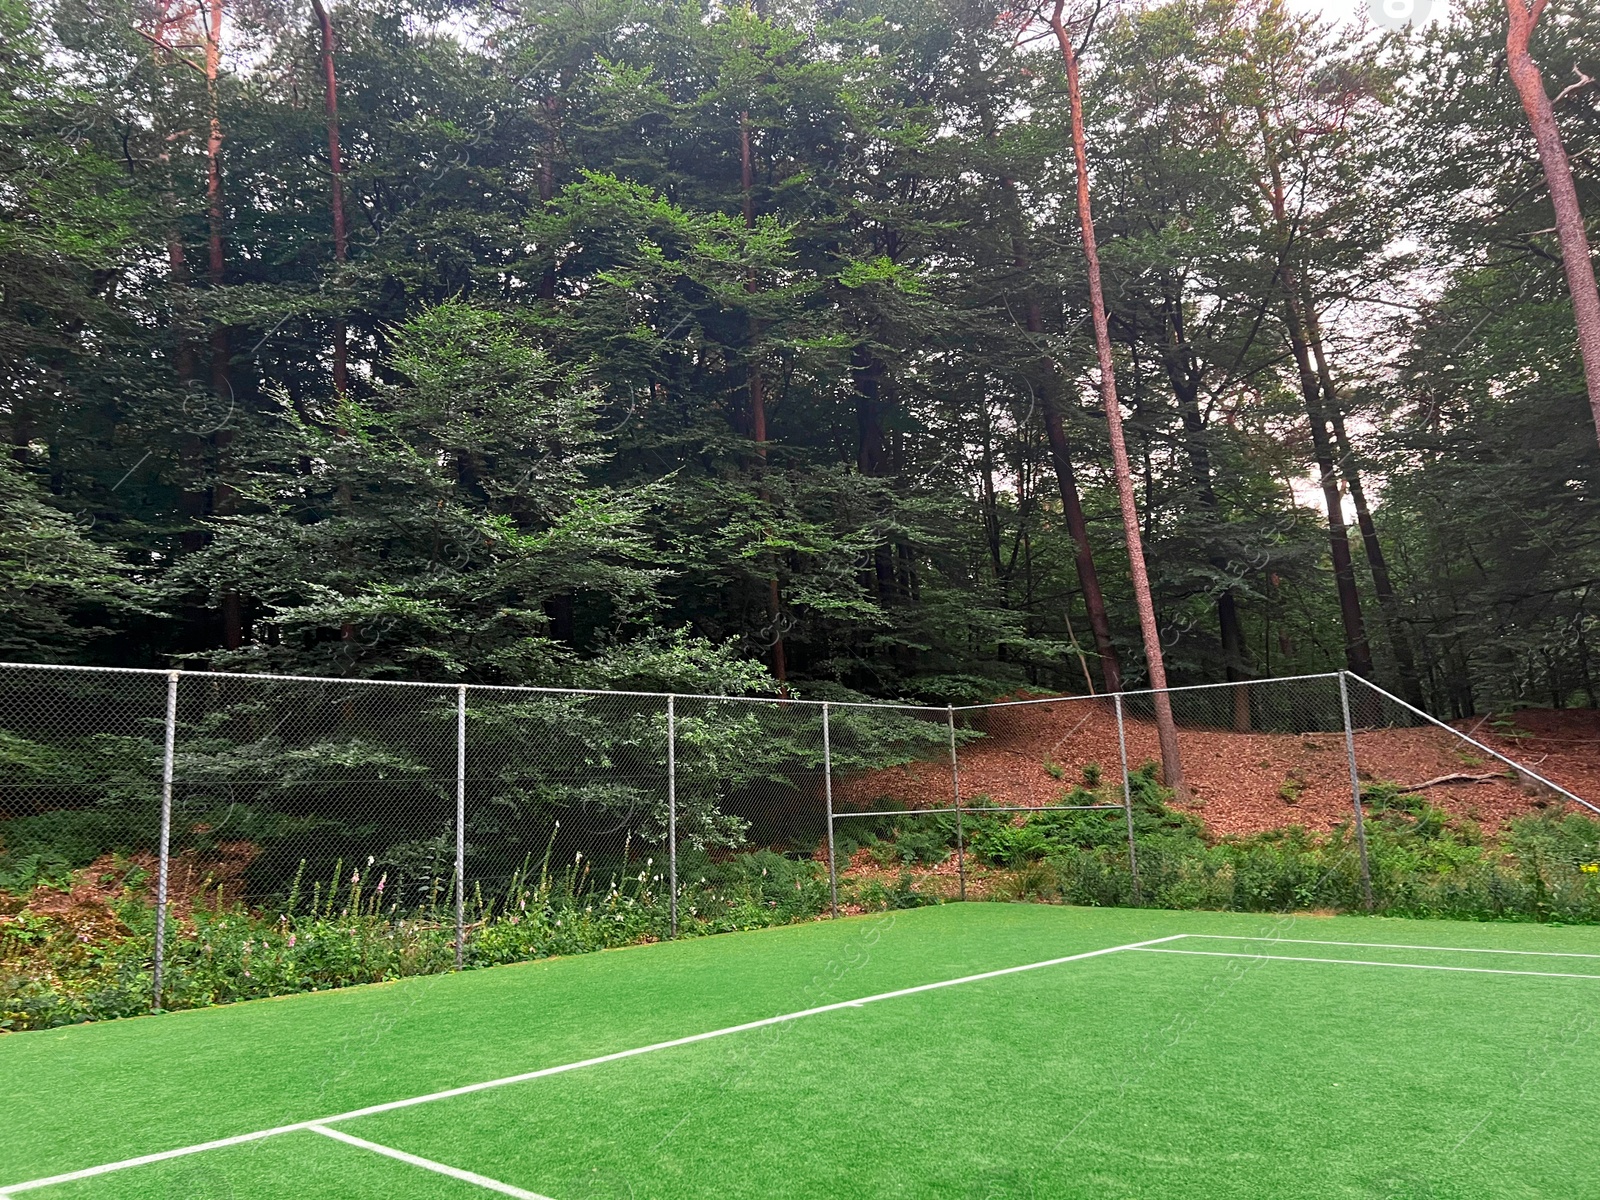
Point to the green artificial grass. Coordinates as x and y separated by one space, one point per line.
1133 1074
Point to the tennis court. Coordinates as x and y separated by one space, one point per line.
977 1051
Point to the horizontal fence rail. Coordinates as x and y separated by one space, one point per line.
413 826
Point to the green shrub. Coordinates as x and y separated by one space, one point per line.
346 930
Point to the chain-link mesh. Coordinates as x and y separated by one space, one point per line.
81 757
1277 750
318 828
80 769
1040 754
1039 779
566 821
751 812
891 766
328 804
1275 747
1485 770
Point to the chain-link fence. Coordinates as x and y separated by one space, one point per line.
896 819
255 834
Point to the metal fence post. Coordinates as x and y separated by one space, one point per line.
955 780
827 791
1355 790
461 824
672 809
1127 798
166 841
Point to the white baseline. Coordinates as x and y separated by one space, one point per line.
1229 937
1357 962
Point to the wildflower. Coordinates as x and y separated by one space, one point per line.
381 883
355 878
1590 868
369 860
291 941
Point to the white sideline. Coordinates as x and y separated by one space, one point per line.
9 1190
427 1164
1228 937
1357 962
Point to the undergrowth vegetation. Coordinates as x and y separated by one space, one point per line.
62 962
1424 862
79 946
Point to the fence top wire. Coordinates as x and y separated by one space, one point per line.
476 687
1510 762
1126 692
901 706
781 701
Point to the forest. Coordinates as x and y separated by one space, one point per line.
725 349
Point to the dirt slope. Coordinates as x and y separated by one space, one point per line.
1249 782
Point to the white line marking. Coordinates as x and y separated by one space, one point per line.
427 1164
467 1089
1227 937
145 1159
1357 962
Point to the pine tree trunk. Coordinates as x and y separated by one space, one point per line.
195 499
1358 651
756 396
217 263
1185 384
1570 231
330 103
562 608
1166 728
547 181
1377 560
1049 392
223 497
988 495
1094 601
872 454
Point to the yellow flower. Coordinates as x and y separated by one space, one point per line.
1590 868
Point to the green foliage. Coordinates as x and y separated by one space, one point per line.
566 294
678 336
456 505
353 929
59 590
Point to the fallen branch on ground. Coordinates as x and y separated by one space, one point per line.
1457 777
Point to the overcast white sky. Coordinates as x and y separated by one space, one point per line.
1346 10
